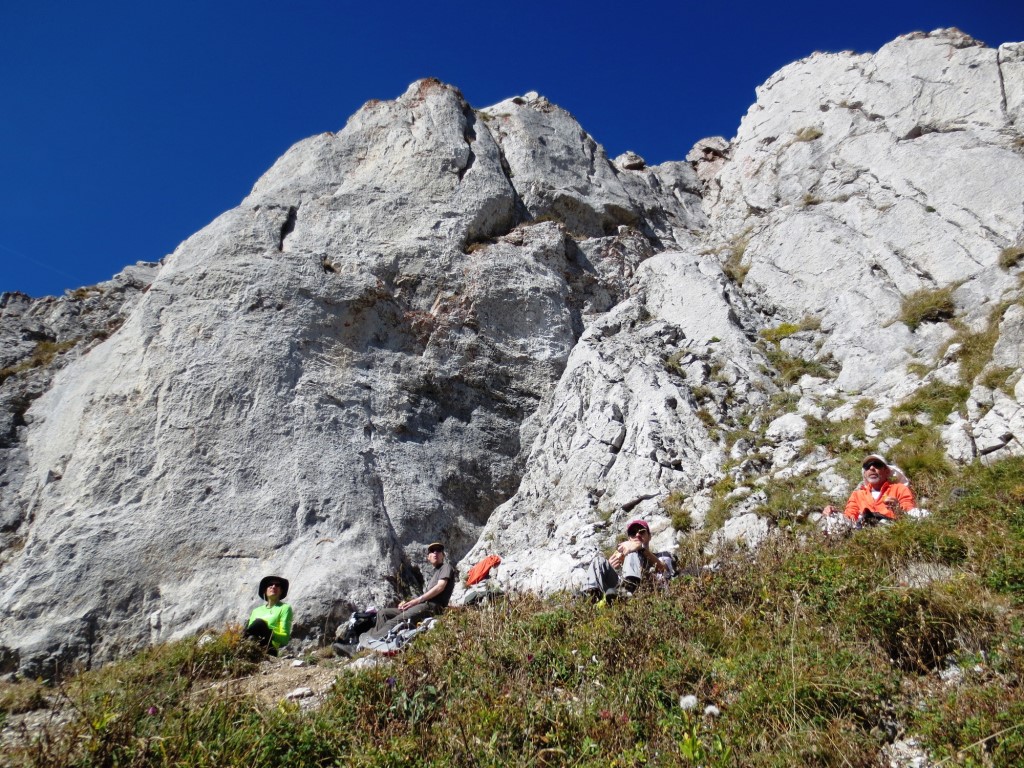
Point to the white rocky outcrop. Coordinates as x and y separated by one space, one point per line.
321 381
471 325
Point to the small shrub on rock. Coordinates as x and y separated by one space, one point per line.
928 306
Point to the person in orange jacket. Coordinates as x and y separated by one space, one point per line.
876 497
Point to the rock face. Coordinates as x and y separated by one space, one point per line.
325 379
441 323
854 182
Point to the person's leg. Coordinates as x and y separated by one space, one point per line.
602 578
395 617
632 571
383 617
259 630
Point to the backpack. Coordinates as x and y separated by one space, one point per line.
358 622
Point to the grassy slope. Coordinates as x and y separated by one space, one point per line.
816 653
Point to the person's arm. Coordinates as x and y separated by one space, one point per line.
853 508
654 561
627 547
904 496
431 593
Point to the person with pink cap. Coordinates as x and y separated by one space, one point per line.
633 558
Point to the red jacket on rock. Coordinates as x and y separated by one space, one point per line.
861 499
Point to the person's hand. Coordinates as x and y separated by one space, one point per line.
616 559
629 546
405 605
829 510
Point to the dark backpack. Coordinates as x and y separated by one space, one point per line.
358 622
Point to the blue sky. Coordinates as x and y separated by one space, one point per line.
125 127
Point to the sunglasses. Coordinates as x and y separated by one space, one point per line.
875 465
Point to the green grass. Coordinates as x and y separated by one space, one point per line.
677 513
42 355
733 267
928 306
976 347
1010 257
810 650
790 368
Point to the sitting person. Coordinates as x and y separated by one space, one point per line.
271 624
633 557
432 602
877 498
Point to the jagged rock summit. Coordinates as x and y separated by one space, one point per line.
471 325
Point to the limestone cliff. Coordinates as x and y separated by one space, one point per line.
473 325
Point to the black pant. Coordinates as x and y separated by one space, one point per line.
260 631
389 618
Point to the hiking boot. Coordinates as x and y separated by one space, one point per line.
344 650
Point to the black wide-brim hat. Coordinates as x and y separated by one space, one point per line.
266 581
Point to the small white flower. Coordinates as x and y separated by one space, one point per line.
688 702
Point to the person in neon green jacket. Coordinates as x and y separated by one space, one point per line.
271 624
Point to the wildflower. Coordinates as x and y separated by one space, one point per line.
391 682
151 711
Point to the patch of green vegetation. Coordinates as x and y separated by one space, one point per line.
734 268
928 306
976 347
21 696
701 393
778 333
918 369
1010 257
791 499
677 513
42 355
834 436
998 378
706 418
718 513
672 363
935 399
790 368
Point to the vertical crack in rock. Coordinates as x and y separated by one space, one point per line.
469 135
287 227
1002 87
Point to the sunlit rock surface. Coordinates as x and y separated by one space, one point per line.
473 326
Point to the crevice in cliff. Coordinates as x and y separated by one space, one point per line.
469 134
287 227
1002 85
